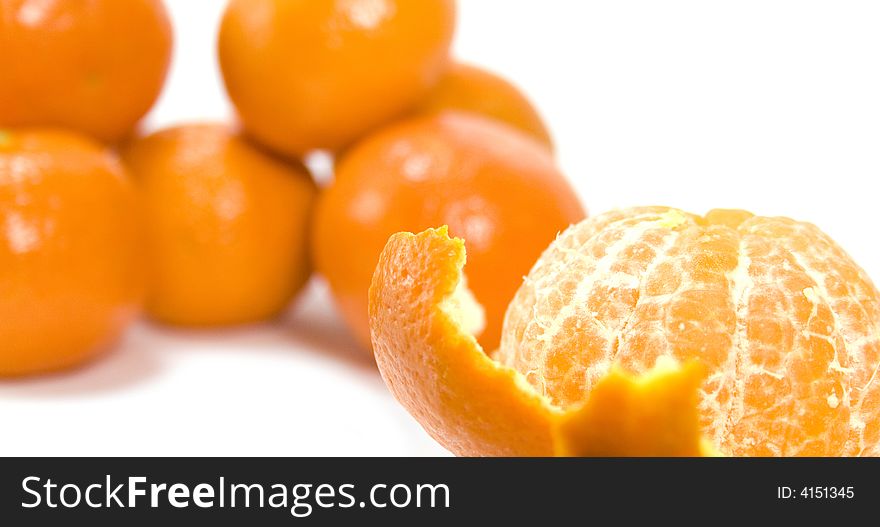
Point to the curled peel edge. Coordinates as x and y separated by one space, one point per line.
475 406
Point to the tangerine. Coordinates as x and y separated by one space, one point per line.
472 89
320 74
781 321
95 66
227 225
71 268
493 185
786 324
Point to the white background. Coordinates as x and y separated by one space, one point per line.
772 106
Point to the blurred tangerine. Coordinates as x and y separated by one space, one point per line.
227 225
494 186
71 262
95 66
472 89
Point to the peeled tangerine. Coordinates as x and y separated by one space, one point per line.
636 332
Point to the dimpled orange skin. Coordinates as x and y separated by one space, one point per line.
494 186
71 262
475 406
472 89
227 225
316 74
785 323
96 66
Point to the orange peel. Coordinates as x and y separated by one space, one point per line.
475 406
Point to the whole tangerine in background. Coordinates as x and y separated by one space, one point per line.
473 89
71 262
227 226
320 74
785 323
95 66
494 186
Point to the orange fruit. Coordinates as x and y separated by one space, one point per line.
227 225
786 324
471 89
475 406
320 74
71 272
493 185
96 66
782 321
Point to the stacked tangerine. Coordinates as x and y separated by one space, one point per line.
646 331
